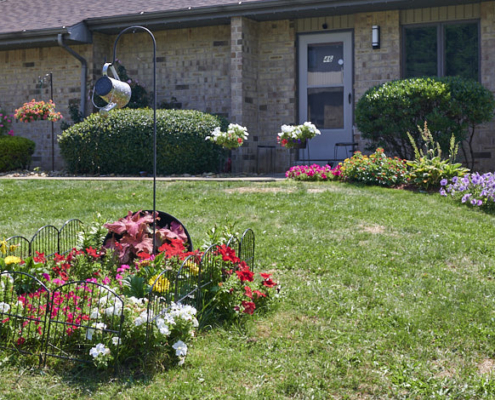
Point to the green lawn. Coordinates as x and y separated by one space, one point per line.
386 293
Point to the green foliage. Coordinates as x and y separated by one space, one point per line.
452 106
428 167
122 143
376 169
15 152
75 115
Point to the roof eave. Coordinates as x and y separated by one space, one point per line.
75 34
260 11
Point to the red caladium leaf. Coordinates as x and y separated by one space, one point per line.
179 230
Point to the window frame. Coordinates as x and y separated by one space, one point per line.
440 43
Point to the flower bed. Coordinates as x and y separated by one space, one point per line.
90 306
472 189
314 172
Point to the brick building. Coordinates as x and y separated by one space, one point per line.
260 63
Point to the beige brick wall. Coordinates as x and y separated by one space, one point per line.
485 138
263 80
19 82
375 66
193 65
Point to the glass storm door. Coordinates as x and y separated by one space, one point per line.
325 91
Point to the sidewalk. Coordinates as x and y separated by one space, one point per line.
25 175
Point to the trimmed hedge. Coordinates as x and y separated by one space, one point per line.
122 143
451 105
15 152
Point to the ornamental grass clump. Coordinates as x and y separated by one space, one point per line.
376 169
471 189
314 172
429 167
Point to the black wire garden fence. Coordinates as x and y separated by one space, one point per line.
66 321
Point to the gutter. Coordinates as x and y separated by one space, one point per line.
84 69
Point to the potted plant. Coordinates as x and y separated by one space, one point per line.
295 137
232 139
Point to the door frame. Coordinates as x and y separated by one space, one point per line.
305 38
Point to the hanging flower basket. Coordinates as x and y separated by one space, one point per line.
37 110
232 139
296 137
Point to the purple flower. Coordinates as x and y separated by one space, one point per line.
443 182
443 192
466 197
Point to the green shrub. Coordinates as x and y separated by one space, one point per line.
428 168
122 143
15 152
452 105
376 169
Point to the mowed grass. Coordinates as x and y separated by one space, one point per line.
385 293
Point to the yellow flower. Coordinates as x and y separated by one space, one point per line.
3 246
193 268
12 260
161 285
13 247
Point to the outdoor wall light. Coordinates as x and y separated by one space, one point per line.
118 94
375 37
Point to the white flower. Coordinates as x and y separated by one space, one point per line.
114 310
100 325
180 348
103 300
4 307
99 349
181 361
95 313
138 321
195 322
116 340
90 331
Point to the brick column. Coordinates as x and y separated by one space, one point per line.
244 90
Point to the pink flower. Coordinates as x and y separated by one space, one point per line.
106 281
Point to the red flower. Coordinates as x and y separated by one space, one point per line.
59 258
174 248
39 258
265 276
239 140
269 283
245 275
248 307
144 256
228 254
5 320
92 252
259 294
20 341
248 292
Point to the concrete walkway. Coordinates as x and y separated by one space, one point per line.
200 178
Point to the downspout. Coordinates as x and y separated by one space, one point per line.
84 69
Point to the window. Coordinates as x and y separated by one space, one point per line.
449 49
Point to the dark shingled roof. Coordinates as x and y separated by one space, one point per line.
21 19
27 15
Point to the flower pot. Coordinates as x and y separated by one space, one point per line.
301 145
